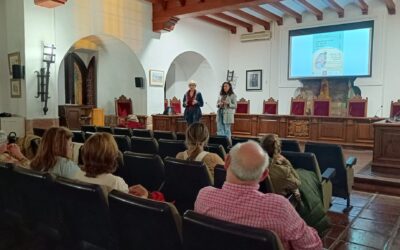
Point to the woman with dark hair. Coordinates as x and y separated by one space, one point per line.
55 153
192 101
226 110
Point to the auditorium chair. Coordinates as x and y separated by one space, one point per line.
395 109
170 135
123 131
123 142
309 162
236 140
220 140
170 147
270 107
39 131
297 106
331 156
183 181
104 129
321 106
78 136
180 136
144 224
176 105
290 145
202 232
145 169
142 132
8 201
357 107
123 108
88 128
216 149
88 134
85 213
147 145
243 106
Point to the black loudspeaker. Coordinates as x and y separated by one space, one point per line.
18 71
139 82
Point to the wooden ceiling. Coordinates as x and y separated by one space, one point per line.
231 14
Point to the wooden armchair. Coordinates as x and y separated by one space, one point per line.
297 106
243 106
357 107
321 106
270 106
123 108
176 105
395 109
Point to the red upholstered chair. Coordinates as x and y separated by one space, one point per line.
395 108
176 105
357 107
123 108
243 106
321 106
297 106
270 107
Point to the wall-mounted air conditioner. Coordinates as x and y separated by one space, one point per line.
255 36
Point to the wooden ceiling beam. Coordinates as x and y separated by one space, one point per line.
311 8
218 23
251 18
363 6
288 11
391 7
334 5
267 14
231 19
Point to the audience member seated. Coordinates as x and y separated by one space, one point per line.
196 138
29 145
11 153
239 200
55 154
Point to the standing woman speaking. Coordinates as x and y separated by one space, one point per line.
226 110
192 101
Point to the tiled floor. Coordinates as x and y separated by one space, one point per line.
372 223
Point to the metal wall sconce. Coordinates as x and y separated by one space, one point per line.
43 77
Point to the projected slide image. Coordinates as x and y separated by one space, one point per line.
328 61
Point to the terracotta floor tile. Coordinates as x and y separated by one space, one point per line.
355 211
387 200
354 201
340 219
365 238
395 244
327 242
335 231
384 209
347 246
380 217
373 226
360 194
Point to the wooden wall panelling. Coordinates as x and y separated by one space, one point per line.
331 129
268 124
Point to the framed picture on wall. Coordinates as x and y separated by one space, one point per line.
156 78
253 80
15 86
13 58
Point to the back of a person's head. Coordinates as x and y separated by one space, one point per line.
248 161
271 144
29 145
53 143
196 134
100 153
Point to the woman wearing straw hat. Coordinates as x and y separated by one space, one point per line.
192 101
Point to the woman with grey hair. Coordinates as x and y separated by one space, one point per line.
11 153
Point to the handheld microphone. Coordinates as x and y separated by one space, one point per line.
212 110
376 113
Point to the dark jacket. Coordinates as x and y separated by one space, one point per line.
193 112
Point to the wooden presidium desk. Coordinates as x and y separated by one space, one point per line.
358 132
386 157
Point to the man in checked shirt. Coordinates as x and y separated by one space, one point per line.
239 200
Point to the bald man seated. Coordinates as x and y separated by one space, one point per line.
239 200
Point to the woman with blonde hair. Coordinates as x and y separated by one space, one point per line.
11 153
55 153
196 138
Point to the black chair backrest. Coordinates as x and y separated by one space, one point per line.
183 181
78 136
105 129
306 161
39 131
123 131
290 145
7 188
142 132
88 128
170 147
202 232
143 223
123 142
180 136
331 156
216 149
236 140
220 140
88 134
145 169
164 135
147 145
85 213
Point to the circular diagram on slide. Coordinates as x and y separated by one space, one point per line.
328 62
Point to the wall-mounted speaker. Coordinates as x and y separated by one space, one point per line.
18 71
139 82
